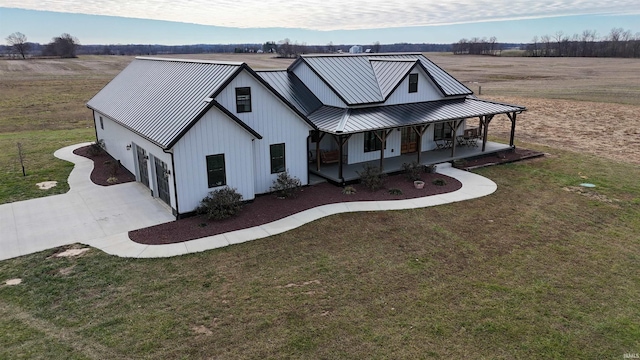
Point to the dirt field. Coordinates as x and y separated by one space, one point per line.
581 104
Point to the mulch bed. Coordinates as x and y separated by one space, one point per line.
502 157
103 168
268 208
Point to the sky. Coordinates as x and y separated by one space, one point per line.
310 21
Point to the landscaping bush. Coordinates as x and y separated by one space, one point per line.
372 177
221 204
439 182
96 148
395 191
286 185
348 190
413 170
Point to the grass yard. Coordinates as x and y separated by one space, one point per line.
533 271
540 269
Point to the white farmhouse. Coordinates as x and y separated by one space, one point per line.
187 127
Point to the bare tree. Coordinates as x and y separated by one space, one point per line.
18 41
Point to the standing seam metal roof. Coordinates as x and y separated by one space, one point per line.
291 89
363 79
160 98
338 120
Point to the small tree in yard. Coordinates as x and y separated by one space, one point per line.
286 185
221 204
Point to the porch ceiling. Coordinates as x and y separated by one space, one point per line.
348 121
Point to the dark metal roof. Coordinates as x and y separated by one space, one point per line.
159 99
291 89
390 72
337 120
364 79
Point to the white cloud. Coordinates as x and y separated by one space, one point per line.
331 14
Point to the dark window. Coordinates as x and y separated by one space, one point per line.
215 170
101 123
371 141
442 131
243 99
413 83
277 158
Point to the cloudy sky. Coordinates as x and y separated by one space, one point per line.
317 21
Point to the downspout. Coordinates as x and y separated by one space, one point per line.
308 157
95 128
175 185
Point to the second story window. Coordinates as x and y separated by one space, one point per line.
243 99
413 83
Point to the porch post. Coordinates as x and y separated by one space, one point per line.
420 130
512 117
454 135
383 142
340 158
487 120
318 150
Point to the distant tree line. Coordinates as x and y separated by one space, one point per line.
477 46
618 43
64 46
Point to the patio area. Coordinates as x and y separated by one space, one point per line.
394 164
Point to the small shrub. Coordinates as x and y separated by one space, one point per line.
395 191
413 170
96 148
348 190
430 169
439 182
221 204
112 180
372 177
286 185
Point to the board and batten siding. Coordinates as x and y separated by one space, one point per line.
427 90
116 138
276 123
215 133
318 87
357 154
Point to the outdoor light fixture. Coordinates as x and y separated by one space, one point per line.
128 146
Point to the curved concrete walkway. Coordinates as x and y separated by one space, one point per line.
102 216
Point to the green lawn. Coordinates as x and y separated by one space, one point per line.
532 271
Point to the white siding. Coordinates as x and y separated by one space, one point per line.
214 134
318 87
116 138
356 152
427 90
277 123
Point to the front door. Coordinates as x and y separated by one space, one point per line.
409 143
143 169
162 179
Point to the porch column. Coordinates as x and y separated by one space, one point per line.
341 140
485 125
420 130
318 150
383 143
512 117
454 135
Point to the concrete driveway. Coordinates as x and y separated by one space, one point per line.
88 213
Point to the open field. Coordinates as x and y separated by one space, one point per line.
540 269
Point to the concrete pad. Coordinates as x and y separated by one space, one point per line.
208 243
127 248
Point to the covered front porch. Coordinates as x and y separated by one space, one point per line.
393 164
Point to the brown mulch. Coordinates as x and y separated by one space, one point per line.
103 166
502 157
268 208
